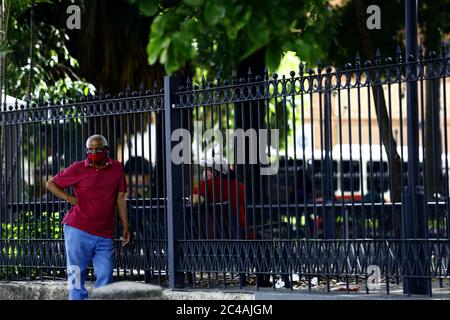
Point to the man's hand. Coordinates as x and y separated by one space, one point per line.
60 193
126 237
196 199
122 210
72 200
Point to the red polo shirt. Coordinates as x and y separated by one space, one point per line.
96 190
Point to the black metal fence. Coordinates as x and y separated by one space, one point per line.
308 187
39 140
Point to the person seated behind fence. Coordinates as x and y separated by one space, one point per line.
137 175
217 170
218 177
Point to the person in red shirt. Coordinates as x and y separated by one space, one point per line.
100 187
220 185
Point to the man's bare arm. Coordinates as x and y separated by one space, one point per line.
60 193
122 210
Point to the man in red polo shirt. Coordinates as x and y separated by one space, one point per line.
100 186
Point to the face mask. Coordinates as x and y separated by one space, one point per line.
98 158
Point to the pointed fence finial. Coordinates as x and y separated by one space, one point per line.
266 72
233 76
357 59
378 56
188 83
421 54
203 81
319 66
398 54
443 49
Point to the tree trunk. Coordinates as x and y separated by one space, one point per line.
246 117
384 123
111 46
111 50
433 145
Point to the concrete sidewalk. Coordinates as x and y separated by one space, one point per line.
57 290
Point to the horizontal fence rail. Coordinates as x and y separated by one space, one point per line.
287 181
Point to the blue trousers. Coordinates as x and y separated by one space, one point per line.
81 249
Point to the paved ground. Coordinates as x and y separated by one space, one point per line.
394 295
56 290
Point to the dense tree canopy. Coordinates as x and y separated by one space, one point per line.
55 70
218 34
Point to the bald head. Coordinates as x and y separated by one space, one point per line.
96 140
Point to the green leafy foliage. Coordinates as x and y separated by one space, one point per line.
194 3
148 8
217 34
54 72
28 226
22 5
214 11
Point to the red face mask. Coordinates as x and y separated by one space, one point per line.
98 158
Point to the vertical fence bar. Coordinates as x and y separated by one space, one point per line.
415 221
329 220
174 190
445 167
